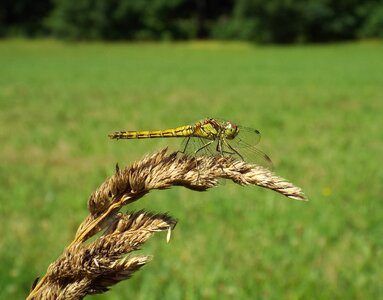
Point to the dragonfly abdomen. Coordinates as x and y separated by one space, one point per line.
183 131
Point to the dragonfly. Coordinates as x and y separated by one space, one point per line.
212 137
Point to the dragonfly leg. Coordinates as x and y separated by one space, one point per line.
204 146
186 145
222 152
234 151
219 148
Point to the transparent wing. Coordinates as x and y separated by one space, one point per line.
245 144
247 137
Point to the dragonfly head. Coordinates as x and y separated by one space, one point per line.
231 130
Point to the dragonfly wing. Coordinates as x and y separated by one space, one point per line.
247 137
252 155
245 144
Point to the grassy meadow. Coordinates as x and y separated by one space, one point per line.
319 109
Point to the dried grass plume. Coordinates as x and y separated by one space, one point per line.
93 267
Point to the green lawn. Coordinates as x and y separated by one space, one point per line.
320 111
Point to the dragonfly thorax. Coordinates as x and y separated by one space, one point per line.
213 129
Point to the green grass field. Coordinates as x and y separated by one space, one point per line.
319 109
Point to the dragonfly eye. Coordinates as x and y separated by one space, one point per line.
231 130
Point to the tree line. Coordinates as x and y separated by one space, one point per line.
270 21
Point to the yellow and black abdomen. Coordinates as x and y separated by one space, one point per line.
183 131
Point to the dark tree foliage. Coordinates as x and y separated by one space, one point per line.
272 21
24 17
138 19
373 27
287 21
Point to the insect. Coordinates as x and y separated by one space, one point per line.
212 137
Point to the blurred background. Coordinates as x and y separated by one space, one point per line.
307 74
276 21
